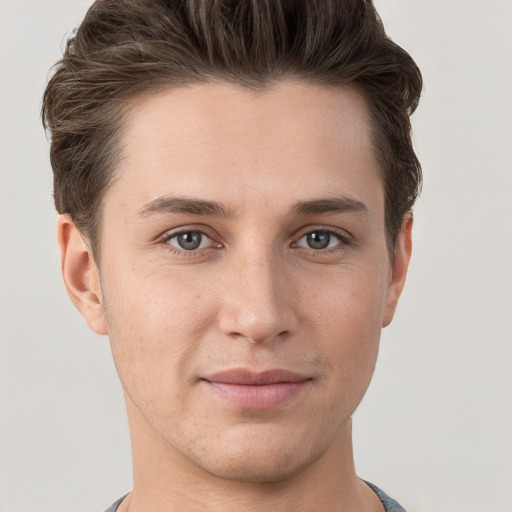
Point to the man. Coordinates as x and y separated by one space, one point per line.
235 183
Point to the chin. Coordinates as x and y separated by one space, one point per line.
277 469
257 459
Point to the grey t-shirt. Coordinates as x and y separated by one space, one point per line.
389 503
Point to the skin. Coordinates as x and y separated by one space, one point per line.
255 295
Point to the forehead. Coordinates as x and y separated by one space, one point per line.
222 140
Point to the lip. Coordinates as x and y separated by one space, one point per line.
256 390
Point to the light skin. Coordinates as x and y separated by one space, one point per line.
245 232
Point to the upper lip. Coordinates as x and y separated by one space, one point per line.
242 376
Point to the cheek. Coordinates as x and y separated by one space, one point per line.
155 326
347 323
349 302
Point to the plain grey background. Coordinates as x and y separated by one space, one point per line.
435 429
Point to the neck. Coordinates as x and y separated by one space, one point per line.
165 480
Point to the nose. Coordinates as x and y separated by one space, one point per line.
257 302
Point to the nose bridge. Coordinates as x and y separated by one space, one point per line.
257 304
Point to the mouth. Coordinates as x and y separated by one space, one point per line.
256 390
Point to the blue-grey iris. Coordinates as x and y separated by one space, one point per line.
189 240
318 239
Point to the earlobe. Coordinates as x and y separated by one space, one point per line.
399 266
80 274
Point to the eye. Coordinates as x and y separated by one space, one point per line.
320 239
189 240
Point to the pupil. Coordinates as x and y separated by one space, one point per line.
190 240
319 239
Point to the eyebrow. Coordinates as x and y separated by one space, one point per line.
194 206
185 205
330 205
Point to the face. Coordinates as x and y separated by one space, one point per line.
244 274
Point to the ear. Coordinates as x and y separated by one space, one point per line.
399 266
80 274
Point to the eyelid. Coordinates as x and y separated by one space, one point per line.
343 234
205 239
345 237
331 234
174 232
199 228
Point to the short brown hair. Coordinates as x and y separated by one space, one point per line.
126 48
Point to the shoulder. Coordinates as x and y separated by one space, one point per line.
114 505
390 504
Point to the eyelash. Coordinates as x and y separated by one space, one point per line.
182 252
344 242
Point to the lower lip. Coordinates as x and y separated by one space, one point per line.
258 397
